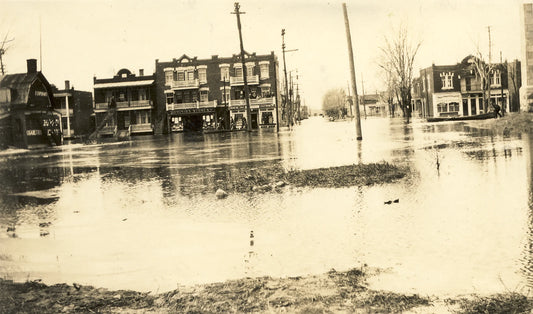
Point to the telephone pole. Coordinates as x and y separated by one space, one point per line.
352 72
244 72
490 69
288 103
363 98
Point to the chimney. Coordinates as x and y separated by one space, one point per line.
141 72
67 84
32 65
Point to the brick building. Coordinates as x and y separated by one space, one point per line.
27 115
456 90
76 108
202 94
124 104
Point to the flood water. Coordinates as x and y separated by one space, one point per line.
142 214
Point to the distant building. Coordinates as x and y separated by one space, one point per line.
202 94
76 108
27 116
456 90
372 104
124 104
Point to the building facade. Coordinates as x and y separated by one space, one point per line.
76 108
208 94
27 116
456 90
124 104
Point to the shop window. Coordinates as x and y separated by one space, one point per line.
267 118
454 106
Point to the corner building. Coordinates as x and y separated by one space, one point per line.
208 94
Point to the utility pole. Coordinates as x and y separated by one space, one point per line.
244 72
288 103
352 72
490 67
501 84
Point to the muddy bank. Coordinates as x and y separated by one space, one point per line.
326 293
511 124
273 176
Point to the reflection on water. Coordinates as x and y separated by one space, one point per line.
142 214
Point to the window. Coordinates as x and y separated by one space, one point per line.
264 70
227 94
168 77
468 83
204 96
238 72
190 75
454 106
170 98
143 117
181 76
265 92
442 107
267 118
496 78
447 80
249 70
224 74
142 94
202 75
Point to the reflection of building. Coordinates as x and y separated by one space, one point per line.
124 104
76 108
209 93
27 117
456 90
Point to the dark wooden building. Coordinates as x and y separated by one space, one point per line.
76 108
27 116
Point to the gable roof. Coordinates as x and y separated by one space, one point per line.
20 84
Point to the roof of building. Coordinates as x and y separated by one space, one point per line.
123 84
19 84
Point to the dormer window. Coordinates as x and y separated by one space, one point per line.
447 80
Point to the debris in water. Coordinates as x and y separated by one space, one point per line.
220 194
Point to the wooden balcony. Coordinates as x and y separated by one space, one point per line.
126 105
239 80
192 105
254 102
189 84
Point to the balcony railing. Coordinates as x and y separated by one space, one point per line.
63 112
192 105
189 84
254 101
141 128
239 80
133 104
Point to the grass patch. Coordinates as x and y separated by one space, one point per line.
510 124
511 302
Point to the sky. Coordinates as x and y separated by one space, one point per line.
82 39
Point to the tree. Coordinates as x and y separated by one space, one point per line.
334 103
398 60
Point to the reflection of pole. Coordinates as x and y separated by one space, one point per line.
244 70
287 108
363 86
352 72
349 99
